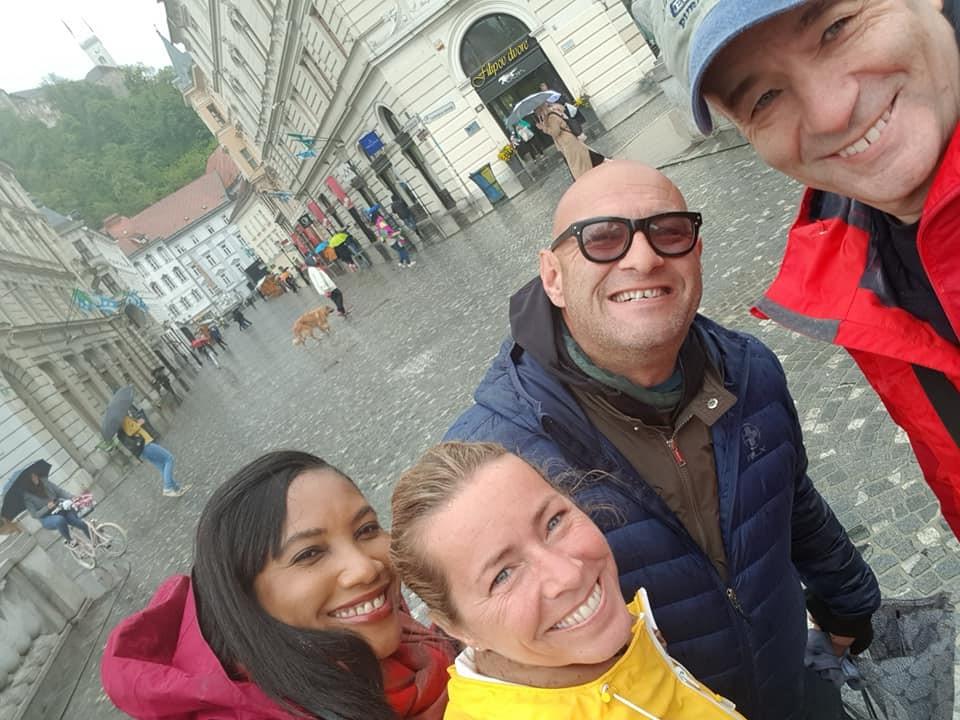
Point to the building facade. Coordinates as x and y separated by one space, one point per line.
343 104
59 366
185 247
256 219
101 264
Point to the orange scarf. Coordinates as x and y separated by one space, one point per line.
415 676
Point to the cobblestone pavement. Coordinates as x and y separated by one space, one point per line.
392 377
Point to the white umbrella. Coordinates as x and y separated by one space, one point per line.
529 104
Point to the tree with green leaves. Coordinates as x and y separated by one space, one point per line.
108 154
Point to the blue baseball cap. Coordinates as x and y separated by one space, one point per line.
691 33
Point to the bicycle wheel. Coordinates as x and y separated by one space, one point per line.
111 540
84 556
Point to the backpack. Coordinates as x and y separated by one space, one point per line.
574 125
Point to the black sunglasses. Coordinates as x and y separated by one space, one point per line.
607 239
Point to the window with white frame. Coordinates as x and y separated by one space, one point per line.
167 281
196 294
210 229
194 238
181 275
195 270
224 248
164 253
151 261
178 249
156 289
224 280
185 302
209 258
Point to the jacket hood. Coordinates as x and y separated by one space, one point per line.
157 666
535 327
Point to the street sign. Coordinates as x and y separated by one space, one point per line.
445 109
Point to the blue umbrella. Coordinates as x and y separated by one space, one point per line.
15 485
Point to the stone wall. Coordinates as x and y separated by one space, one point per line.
37 604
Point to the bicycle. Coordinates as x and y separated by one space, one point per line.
107 539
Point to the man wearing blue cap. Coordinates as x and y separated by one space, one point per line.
859 100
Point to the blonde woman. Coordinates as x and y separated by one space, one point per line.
512 568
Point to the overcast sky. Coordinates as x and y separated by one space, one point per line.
34 42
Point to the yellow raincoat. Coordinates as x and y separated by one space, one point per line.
644 683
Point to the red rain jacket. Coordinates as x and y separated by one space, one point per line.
157 665
830 287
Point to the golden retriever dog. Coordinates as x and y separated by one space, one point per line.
308 323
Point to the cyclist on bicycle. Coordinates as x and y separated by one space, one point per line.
50 504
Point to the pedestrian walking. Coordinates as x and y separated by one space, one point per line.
317 630
392 237
216 335
579 158
139 442
400 208
691 442
525 140
240 319
862 107
42 498
325 285
340 243
286 277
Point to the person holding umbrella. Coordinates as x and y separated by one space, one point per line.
30 489
118 423
139 442
42 499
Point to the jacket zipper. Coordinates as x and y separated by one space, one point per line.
671 521
608 693
683 472
735 601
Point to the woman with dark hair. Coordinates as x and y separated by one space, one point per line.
292 611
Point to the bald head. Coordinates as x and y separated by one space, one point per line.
617 187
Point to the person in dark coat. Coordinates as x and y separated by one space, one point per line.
240 319
42 499
686 443
403 211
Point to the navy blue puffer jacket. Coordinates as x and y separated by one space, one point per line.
744 638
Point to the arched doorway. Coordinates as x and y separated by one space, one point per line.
505 64
413 154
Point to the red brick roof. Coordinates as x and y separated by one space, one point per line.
169 215
220 163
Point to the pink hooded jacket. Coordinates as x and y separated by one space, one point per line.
158 666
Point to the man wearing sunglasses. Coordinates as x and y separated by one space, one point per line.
684 445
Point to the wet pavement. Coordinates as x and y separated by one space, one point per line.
390 379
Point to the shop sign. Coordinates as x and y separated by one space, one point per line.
371 144
500 64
